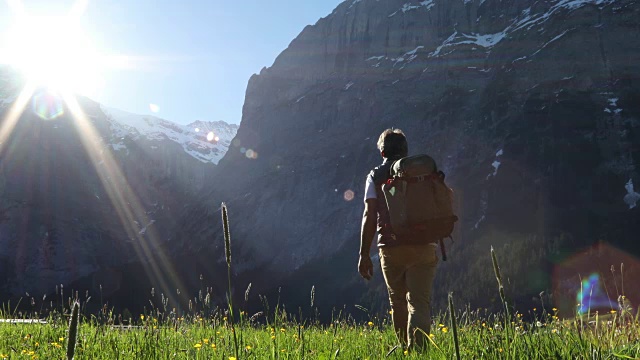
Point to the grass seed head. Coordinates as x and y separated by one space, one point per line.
227 235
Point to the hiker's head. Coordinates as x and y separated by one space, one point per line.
393 144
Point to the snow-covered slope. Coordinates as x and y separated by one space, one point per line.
8 86
206 141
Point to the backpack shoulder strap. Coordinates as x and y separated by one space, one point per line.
381 173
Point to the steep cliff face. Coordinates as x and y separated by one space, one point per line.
66 215
530 107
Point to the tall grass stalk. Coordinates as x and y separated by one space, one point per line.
454 326
73 330
227 250
503 298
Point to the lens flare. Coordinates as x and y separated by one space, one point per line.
349 195
591 295
210 136
197 129
47 105
593 279
251 154
154 108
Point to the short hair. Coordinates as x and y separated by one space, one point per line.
393 143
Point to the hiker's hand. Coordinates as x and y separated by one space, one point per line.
365 267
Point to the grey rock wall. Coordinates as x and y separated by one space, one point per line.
529 107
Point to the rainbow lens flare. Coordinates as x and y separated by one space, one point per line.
48 105
594 279
592 296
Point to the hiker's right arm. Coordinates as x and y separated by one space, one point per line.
365 266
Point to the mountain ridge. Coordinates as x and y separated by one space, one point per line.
526 105
77 204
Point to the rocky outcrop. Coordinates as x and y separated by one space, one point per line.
528 106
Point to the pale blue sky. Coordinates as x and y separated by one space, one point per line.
194 57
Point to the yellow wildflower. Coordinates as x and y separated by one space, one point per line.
613 311
197 346
61 339
248 347
370 323
213 346
232 358
206 341
432 336
554 331
441 325
273 337
406 352
282 330
445 329
283 350
554 309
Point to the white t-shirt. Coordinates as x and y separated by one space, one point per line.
370 189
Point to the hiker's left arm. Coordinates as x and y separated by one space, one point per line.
365 266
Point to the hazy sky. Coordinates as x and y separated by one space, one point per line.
192 58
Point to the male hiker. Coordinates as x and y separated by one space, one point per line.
408 266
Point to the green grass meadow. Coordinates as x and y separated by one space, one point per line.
229 333
280 336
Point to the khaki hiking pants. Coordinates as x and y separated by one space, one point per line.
409 271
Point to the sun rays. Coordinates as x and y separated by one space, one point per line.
50 87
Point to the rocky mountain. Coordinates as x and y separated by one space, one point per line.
83 196
530 107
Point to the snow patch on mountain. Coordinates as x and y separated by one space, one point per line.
486 40
408 7
8 90
496 164
354 3
525 21
632 197
204 140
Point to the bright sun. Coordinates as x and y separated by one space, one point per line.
54 52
